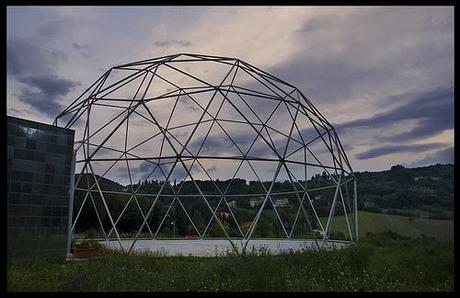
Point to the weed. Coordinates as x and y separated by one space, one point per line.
380 262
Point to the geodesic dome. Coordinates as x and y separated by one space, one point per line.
213 131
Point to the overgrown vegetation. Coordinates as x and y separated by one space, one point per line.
86 243
419 192
381 262
405 225
416 192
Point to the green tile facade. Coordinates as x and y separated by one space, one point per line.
38 180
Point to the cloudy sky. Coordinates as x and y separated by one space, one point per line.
383 76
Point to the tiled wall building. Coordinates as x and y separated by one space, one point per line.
38 183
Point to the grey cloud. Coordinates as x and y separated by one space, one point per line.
54 28
212 145
40 101
308 134
15 111
375 53
36 69
172 43
46 100
321 148
432 110
339 57
143 170
390 149
219 144
24 57
80 47
425 128
179 172
380 49
371 51
444 156
144 167
49 84
315 24
433 104
261 149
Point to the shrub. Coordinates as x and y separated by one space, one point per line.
337 235
91 233
87 243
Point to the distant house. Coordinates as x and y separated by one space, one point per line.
224 215
256 201
232 204
424 189
281 202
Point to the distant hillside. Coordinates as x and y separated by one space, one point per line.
419 192
104 183
425 191
404 225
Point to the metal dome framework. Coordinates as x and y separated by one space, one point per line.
277 125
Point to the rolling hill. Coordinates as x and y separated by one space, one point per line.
407 226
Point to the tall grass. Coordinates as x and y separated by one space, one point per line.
381 262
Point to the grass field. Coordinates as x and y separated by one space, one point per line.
383 262
377 222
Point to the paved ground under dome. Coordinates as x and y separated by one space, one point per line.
208 247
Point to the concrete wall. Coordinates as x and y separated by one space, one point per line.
38 181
